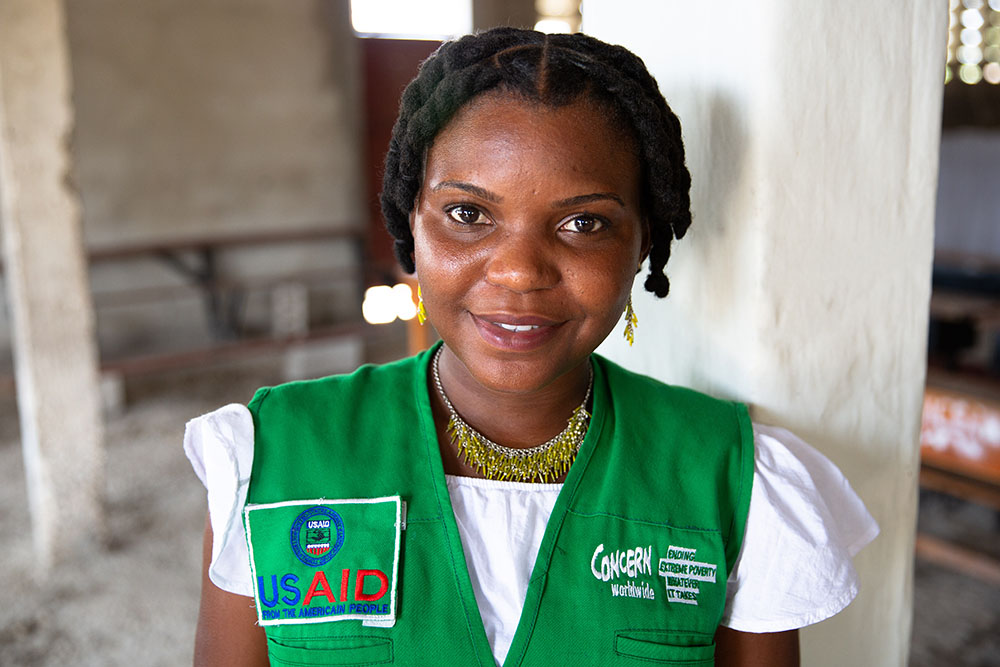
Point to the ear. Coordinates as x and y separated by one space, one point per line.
646 243
413 257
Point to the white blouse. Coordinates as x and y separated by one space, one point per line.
804 525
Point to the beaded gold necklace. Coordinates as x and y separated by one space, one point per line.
548 461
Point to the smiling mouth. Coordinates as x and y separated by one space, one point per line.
516 332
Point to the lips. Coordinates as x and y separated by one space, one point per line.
515 332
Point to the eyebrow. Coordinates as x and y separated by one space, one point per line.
482 193
586 199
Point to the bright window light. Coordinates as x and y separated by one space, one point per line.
992 73
383 304
971 18
427 19
379 305
971 37
553 26
402 294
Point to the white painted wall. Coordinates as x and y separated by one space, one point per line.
802 288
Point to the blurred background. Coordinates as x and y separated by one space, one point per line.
226 160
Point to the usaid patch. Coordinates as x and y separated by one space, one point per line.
318 561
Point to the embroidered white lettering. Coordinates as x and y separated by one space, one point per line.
682 574
627 563
621 563
599 549
680 553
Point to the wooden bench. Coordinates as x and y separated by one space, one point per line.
965 311
960 446
197 261
960 457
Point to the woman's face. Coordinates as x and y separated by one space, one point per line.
527 235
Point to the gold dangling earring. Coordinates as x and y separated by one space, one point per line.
631 322
421 311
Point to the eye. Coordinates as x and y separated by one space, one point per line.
466 215
584 224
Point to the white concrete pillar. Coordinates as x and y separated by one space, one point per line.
802 287
45 271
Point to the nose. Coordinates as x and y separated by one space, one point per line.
522 263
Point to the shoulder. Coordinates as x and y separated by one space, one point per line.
374 382
702 446
623 379
652 401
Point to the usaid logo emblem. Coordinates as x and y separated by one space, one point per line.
317 535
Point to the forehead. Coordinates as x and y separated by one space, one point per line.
499 133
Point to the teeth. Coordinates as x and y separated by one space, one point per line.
516 327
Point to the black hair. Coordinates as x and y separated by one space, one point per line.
554 70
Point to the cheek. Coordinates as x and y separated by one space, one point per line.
433 261
603 288
426 254
420 254
442 266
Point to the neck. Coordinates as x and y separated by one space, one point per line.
511 418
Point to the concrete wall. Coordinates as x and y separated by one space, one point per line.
207 117
812 136
200 118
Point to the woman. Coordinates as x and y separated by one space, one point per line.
508 496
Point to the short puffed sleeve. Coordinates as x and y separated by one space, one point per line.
219 446
804 526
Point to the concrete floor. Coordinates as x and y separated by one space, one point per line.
110 611
956 618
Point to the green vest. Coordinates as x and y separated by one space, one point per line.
632 568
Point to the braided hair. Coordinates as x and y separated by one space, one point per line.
555 70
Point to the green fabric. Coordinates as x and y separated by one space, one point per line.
634 560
